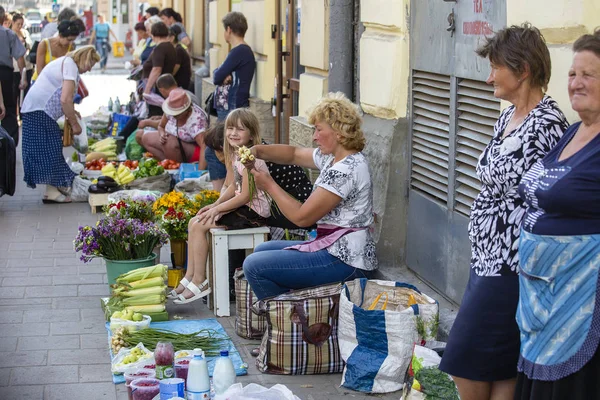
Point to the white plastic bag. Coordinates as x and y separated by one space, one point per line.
117 365
79 190
80 142
257 392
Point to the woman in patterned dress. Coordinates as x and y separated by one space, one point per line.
49 99
559 252
341 204
483 346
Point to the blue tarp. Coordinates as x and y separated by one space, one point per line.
189 326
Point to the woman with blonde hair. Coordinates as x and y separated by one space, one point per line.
49 99
341 205
238 207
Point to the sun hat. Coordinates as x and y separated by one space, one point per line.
178 101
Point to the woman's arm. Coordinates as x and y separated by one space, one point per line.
40 57
228 66
285 154
93 36
113 34
161 129
200 142
66 101
318 204
175 69
154 74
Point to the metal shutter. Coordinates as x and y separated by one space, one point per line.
477 110
430 135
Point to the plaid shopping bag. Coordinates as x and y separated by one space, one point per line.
302 333
247 324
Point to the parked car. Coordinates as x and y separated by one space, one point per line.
33 19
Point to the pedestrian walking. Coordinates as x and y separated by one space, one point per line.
558 312
11 49
483 347
100 37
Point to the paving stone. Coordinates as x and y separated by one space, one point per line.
27 392
76 302
13 272
31 263
30 281
94 341
12 238
44 375
22 254
77 279
58 254
77 328
93 290
8 343
23 302
51 315
92 269
11 292
51 291
11 317
79 356
95 373
18 330
4 377
92 314
63 245
38 245
49 342
87 391
23 358
52 271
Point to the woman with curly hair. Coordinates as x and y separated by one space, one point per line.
341 205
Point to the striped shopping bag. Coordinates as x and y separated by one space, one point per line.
380 321
247 324
302 333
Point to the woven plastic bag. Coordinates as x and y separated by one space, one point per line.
379 323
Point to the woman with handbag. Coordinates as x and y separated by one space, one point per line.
49 99
25 38
341 205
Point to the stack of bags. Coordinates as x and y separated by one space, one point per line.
142 291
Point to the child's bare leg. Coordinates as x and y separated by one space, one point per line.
200 254
191 254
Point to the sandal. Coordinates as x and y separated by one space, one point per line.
60 199
173 294
196 290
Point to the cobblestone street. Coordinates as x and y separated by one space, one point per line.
53 342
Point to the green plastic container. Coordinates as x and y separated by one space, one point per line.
116 268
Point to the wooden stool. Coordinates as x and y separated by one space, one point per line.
97 200
221 241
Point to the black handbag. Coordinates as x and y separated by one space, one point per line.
8 158
209 105
32 56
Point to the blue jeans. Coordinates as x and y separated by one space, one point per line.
216 169
102 49
271 271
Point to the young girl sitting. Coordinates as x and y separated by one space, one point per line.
233 210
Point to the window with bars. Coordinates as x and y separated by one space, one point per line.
430 135
477 111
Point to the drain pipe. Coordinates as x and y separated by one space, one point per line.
341 60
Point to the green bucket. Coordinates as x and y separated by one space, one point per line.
114 268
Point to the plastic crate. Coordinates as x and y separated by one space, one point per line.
118 49
190 171
118 122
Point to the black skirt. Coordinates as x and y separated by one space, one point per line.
582 385
484 341
242 218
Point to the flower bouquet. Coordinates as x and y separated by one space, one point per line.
116 238
131 208
174 210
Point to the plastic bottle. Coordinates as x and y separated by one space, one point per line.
117 106
198 381
224 374
164 358
110 104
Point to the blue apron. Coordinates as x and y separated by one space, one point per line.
559 304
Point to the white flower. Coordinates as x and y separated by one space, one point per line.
509 145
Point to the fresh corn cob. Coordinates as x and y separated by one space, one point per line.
144 273
143 291
144 300
144 283
148 308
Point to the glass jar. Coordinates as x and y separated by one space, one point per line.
164 356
